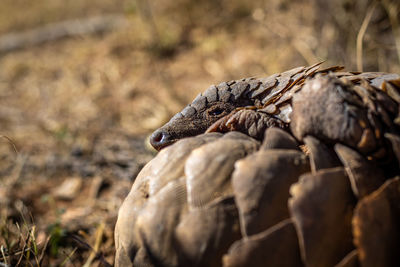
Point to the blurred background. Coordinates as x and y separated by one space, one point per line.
83 83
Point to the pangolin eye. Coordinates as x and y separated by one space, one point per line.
216 111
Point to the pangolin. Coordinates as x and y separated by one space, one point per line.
297 169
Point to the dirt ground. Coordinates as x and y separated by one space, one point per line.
76 110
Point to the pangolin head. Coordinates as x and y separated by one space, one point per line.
209 106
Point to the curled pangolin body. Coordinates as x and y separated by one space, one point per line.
301 169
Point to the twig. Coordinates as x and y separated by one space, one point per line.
360 35
19 252
10 141
4 256
23 250
98 255
392 10
44 250
56 31
68 257
99 236
79 240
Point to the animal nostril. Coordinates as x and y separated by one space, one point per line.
160 139
157 137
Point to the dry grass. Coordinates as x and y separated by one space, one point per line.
78 110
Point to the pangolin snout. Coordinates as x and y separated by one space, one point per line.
160 139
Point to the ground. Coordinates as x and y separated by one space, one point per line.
75 112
